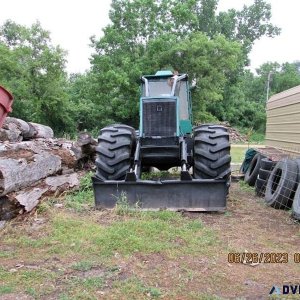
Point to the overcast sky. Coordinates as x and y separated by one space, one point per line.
71 24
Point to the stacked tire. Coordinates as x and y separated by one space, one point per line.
282 184
253 169
296 202
266 167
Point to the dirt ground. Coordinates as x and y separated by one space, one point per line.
248 226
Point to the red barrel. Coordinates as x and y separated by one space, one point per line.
6 100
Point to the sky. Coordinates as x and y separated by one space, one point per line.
72 23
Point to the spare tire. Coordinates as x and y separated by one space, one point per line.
281 185
260 187
252 172
296 204
267 164
264 174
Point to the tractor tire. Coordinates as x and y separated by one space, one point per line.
252 172
116 145
281 184
260 187
264 174
211 152
267 164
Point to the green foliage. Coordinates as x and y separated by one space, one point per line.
123 208
188 36
33 70
245 187
82 199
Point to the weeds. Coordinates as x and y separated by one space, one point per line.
6 289
82 266
123 208
245 187
159 175
83 198
132 288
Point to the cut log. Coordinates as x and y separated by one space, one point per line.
66 181
85 138
10 133
29 200
41 131
85 147
16 174
60 148
22 125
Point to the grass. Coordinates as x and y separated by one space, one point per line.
82 244
257 138
238 154
144 232
253 137
134 286
125 253
245 187
91 244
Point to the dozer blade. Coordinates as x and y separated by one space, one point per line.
186 195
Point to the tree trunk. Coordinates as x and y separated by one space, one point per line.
41 131
17 173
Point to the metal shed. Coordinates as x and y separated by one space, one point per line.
283 120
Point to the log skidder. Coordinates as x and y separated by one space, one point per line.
165 139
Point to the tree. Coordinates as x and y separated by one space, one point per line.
245 101
128 28
189 36
33 69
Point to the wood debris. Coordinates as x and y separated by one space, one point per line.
34 164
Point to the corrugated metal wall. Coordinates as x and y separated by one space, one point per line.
283 120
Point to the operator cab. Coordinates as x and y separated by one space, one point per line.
165 117
166 91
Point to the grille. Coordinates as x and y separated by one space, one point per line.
159 118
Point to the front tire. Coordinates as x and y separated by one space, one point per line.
116 145
211 152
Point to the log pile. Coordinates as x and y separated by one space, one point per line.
234 135
34 164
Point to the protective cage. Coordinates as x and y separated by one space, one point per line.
176 195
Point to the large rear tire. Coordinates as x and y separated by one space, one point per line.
211 152
116 145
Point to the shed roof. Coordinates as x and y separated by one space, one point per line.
287 97
286 93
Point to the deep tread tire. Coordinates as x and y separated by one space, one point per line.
267 164
211 152
264 174
116 144
252 172
281 184
260 187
